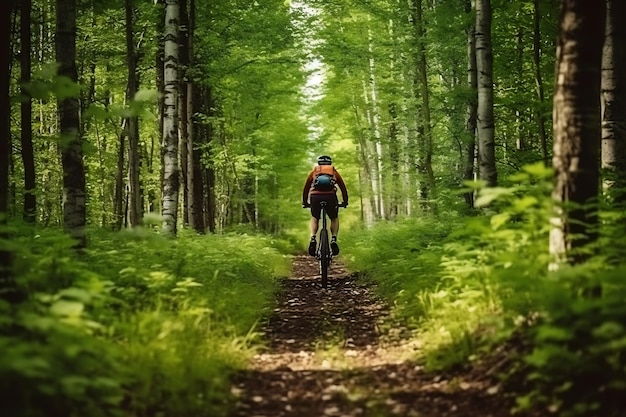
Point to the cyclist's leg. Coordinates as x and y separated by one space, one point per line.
334 226
333 213
332 208
314 223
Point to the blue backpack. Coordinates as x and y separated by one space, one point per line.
324 178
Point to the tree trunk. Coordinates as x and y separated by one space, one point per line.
171 172
367 193
118 200
370 150
28 155
471 111
426 148
194 174
210 211
484 66
614 103
195 180
577 130
7 282
135 210
395 187
155 199
375 125
74 193
183 110
539 82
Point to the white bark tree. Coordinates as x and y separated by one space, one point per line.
170 172
485 120
614 101
134 158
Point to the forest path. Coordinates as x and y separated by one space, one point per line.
336 352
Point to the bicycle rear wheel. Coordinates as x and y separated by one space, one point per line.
324 256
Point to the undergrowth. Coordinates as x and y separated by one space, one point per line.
468 285
137 325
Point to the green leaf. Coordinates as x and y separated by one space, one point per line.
539 170
487 195
608 330
77 294
499 220
551 333
65 88
525 203
66 308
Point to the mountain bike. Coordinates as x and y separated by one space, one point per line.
324 254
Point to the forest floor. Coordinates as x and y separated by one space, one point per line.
337 352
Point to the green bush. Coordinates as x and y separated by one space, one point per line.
55 360
135 324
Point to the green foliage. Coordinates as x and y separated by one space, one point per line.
137 323
54 360
485 281
577 365
403 257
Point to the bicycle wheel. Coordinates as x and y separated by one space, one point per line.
324 256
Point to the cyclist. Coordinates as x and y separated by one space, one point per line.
320 186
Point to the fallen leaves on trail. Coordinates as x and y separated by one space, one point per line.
327 355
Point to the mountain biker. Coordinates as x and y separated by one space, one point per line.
320 186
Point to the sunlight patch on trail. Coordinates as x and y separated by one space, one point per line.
336 359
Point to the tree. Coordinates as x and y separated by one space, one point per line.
426 151
169 151
614 101
6 278
195 183
577 129
28 157
484 66
183 108
471 111
539 81
132 123
74 192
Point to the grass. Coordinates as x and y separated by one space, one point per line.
136 324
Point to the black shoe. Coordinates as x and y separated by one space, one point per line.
334 247
312 247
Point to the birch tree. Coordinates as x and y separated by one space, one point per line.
170 118
485 117
74 193
374 117
577 129
183 109
614 101
132 123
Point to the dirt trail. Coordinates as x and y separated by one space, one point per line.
334 352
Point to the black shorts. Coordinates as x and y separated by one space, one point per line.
332 205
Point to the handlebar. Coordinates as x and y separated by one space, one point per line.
343 205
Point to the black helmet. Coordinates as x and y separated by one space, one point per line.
324 160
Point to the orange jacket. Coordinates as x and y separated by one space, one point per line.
308 187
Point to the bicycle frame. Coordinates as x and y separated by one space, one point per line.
324 254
